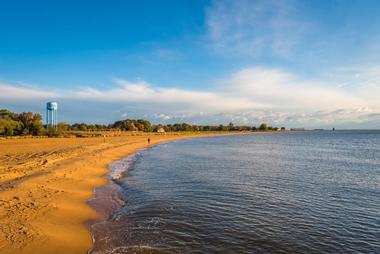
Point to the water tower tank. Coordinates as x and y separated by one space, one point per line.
52 105
51 114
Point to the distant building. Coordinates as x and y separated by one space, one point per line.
51 114
161 130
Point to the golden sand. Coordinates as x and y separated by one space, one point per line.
44 184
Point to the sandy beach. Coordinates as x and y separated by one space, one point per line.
44 185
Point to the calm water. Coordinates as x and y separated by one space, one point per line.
313 192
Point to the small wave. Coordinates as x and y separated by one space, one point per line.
120 167
134 249
106 201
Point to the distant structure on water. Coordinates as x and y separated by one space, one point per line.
51 114
297 129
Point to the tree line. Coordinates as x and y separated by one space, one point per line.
28 123
146 126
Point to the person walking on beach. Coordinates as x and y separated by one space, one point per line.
148 140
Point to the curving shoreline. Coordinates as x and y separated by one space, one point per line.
107 199
45 184
243 194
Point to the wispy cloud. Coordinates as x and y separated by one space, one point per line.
364 81
247 96
281 90
134 92
255 27
142 92
15 92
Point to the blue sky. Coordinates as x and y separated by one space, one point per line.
294 63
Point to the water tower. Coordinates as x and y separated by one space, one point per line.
51 114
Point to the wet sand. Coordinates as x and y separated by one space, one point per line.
44 186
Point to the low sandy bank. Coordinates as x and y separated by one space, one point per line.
44 184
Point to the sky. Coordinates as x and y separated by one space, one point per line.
312 64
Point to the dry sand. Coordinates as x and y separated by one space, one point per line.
44 184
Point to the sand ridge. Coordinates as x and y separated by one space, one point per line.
44 184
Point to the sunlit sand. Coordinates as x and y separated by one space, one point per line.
45 183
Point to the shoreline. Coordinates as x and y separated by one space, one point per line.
108 198
45 210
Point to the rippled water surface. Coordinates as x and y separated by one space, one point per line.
315 192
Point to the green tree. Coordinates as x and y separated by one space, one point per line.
144 125
231 126
6 114
8 126
30 124
221 127
37 128
8 131
63 127
82 127
185 127
263 127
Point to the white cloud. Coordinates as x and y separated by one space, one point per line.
128 92
247 96
282 90
11 92
364 81
164 117
365 117
142 92
255 27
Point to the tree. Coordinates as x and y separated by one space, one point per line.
196 128
263 127
8 131
243 128
37 128
6 114
144 125
133 125
30 124
221 127
8 126
230 126
82 127
62 127
185 127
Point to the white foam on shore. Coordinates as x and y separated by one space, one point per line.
118 168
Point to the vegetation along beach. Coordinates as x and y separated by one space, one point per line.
45 183
212 126
47 175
